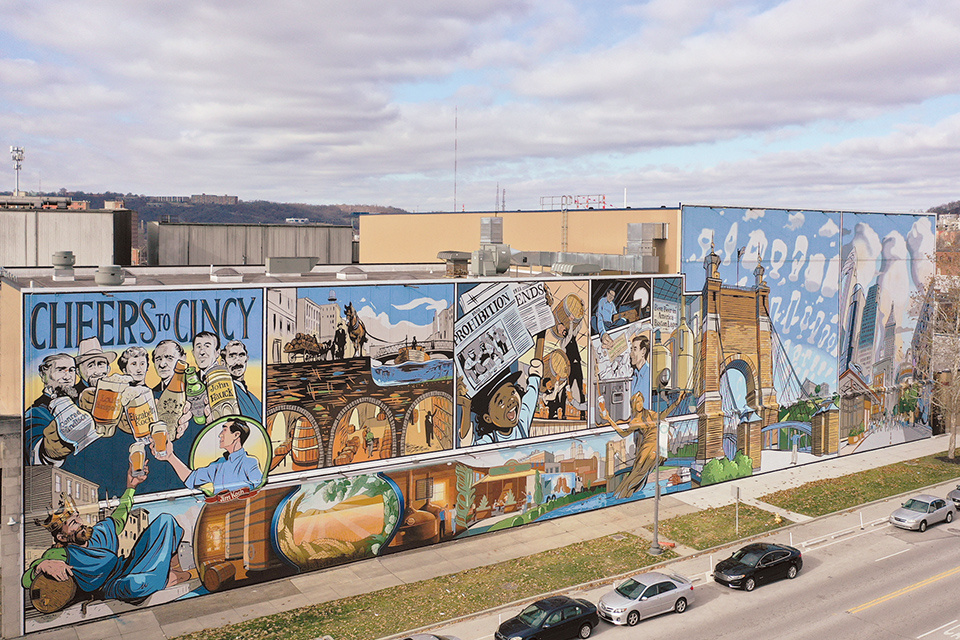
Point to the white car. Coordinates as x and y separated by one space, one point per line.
921 511
646 595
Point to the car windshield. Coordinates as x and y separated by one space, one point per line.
631 589
532 616
916 505
749 557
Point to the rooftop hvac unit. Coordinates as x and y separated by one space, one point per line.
491 230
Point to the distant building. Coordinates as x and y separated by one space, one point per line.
204 198
32 229
180 244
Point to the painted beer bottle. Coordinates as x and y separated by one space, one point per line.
196 395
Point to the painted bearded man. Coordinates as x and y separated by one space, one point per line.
90 555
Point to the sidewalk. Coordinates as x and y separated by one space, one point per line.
250 602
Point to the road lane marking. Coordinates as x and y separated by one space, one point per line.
937 629
905 590
891 555
838 541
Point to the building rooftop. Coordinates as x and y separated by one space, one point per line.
32 278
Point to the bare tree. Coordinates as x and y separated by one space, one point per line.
936 352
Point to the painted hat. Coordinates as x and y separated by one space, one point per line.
90 349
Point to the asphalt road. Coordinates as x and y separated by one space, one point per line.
861 578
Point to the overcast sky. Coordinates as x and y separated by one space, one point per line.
835 104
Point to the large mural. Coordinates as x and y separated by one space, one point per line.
182 442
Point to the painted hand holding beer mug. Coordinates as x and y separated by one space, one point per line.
105 403
71 430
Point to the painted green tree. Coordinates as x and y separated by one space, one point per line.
465 495
537 489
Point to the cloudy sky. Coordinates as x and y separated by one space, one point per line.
838 104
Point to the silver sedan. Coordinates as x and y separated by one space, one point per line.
955 496
646 595
919 512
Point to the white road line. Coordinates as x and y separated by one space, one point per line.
937 629
824 546
891 555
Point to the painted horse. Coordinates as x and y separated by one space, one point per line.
355 329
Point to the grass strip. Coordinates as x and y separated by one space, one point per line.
713 527
821 497
410 606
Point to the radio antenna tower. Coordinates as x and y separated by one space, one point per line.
17 154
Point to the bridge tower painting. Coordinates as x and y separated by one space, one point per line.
736 334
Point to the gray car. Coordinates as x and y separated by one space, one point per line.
919 512
646 595
955 496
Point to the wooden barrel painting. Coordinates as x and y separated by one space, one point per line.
236 534
306 446
218 574
48 595
568 310
258 552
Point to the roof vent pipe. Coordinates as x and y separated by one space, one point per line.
109 276
63 262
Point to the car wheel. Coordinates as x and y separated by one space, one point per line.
792 571
633 618
585 630
681 605
949 517
750 584
923 526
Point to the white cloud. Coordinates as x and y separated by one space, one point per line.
429 303
829 229
727 101
795 220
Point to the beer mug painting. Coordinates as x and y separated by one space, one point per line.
141 411
107 404
73 424
159 432
138 458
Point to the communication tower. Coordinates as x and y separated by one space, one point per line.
17 154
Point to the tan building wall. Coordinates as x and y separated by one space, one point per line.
11 346
418 237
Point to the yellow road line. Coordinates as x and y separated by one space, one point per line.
897 594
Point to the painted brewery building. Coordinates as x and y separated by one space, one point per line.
184 436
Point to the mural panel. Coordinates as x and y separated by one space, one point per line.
520 355
117 375
887 261
358 374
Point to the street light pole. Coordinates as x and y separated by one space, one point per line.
663 381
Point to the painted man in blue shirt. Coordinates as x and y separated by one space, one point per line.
233 471
639 354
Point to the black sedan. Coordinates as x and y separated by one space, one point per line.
758 563
553 618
